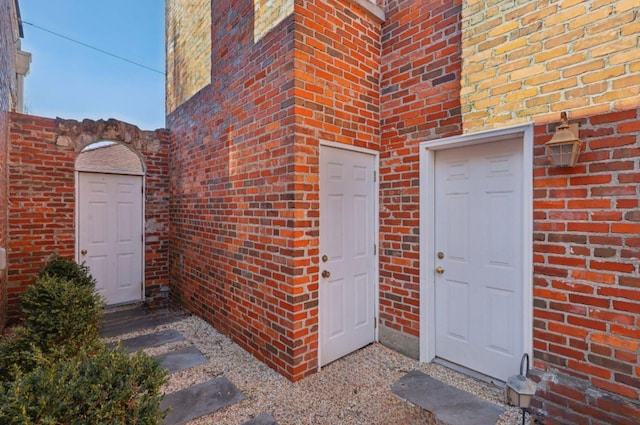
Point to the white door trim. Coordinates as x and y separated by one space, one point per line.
143 221
427 229
376 224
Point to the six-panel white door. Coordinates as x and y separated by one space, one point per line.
479 250
110 233
348 261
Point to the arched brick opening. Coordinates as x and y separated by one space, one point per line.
42 183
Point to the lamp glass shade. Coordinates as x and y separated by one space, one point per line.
520 391
563 153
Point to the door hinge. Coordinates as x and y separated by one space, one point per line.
375 176
375 322
375 249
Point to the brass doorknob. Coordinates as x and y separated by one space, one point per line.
439 270
325 274
83 252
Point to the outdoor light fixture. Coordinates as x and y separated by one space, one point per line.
564 147
520 389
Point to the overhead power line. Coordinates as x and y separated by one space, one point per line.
93 47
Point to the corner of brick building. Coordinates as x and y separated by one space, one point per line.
8 33
238 228
247 260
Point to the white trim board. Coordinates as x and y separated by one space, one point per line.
427 227
376 222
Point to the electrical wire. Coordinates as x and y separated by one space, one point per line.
92 47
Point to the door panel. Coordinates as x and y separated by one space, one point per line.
347 227
479 317
110 233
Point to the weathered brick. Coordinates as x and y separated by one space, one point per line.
41 215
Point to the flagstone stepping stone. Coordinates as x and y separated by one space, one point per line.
132 320
184 358
262 419
450 405
199 400
151 340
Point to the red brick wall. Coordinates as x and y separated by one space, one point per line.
232 190
586 274
337 77
8 33
420 87
244 185
41 178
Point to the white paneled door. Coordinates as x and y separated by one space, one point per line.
110 233
479 251
347 257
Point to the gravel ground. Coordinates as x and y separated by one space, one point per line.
352 390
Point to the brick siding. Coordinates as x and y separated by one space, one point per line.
8 35
534 59
432 69
244 229
586 268
41 212
420 89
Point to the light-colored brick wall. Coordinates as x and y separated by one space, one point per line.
188 49
527 61
9 36
267 14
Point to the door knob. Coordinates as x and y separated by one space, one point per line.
83 252
325 274
439 270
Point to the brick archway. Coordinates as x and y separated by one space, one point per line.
41 180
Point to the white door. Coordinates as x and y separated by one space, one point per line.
479 251
347 257
110 233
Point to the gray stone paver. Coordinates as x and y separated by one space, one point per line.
151 340
185 358
450 405
199 400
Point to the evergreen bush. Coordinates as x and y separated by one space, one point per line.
66 268
105 387
60 312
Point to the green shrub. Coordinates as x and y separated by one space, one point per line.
106 387
17 353
59 312
61 319
66 268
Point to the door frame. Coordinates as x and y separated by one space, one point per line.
376 227
524 133
78 171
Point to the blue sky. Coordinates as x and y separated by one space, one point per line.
68 80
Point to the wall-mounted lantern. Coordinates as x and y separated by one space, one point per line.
520 389
564 147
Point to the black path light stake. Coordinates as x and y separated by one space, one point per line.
520 389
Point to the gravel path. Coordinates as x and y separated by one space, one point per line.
352 390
